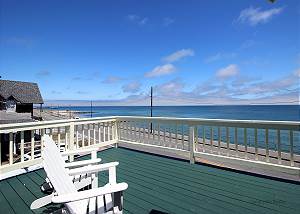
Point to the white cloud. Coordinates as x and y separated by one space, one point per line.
161 70
132 87
229 71
297 72
178 55
171 88
254 16
137 19
168 21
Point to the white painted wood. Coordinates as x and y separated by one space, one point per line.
291 147
82 135
99 133
58 137
246 143
255 144
11 148
211 138
22 146
227 140
192 143
279 146
94 133
89 134
71 139
219 140
0 152
267 145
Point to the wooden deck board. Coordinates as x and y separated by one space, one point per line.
168 185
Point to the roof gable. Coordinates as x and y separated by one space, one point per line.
23 92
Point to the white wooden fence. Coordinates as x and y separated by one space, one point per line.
273 144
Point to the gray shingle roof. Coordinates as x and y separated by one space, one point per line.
23 92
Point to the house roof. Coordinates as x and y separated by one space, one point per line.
23 92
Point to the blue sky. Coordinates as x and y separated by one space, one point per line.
191 52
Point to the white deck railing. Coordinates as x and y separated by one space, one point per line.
273 144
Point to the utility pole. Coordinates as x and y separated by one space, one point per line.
151 105
91 108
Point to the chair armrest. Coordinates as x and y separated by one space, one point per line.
107 189
79 151
82 163
92 169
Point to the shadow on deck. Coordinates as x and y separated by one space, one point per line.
168 185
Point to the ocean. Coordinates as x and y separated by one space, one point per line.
246 112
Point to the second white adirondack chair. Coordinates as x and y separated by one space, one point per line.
106 199
80 181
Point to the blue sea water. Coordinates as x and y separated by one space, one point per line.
248 112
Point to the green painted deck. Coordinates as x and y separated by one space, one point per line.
168 185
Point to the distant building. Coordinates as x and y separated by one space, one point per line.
16 96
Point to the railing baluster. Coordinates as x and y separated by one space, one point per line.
50 133
66 138
94 133
292 148
58 137
245 143
135 124
267 145
219 140
89 134
211 139
164 135
158 133
203 137
196 138
11 157
176 135
255 143
77 136
99 132
104 131
0 152
153 132
32 145
82 137
227 140
170 137
236 141
144 130
279 146
149 127
182 136
22 146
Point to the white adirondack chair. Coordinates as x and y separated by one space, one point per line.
106 199
80 181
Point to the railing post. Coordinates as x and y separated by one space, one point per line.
71 140
192 143
117 133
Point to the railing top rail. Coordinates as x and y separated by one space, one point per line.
293 125
58 123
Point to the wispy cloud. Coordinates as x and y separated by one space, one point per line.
55 92
220 56
112 79
161 70
173 87
43 73
81 92
179 55
138 19
132 87
227 72
168 21
254 16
